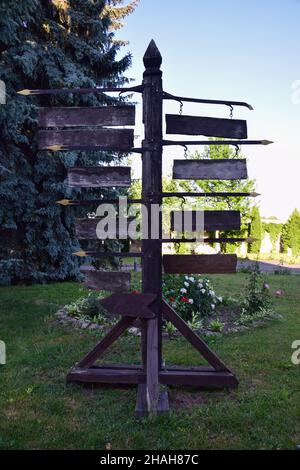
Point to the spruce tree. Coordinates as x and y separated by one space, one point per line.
48 44
255 231
117 12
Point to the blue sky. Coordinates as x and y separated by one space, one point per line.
229 49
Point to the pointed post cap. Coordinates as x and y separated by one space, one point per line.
152 57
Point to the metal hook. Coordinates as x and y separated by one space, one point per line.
181 108
231 111
182 202
237 150
185 151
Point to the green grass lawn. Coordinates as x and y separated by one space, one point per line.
38 411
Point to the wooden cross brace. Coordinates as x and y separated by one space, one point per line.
133 307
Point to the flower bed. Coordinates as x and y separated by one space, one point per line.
195 300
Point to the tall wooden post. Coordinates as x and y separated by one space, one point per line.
151 193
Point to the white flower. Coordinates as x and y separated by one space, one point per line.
203 291
192 279
186 277
191 301
183 290
200 280
200 286
213 306
186 284
220 299
211 292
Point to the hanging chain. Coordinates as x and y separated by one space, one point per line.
182 203
185 151
181 108
231 112
237 150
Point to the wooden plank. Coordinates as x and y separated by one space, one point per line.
86 229
99 177
131 305
106 376
170 314
111 281
199 379
131 376
212 220
221 169
199 264
115 139
105 342
207 126
92 116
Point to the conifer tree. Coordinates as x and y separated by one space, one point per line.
255 231
291 234
117 11
47 44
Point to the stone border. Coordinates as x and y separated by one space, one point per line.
77 323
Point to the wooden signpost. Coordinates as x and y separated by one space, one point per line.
92 128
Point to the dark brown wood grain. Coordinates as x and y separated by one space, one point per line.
131 305
206 220
198 379
74 116
151 193
199 264
223 169
207 126
106 376
115 139
86 229
111 281
97 176
136 376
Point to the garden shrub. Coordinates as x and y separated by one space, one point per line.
190 296
256 297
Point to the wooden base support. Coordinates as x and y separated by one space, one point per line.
141 409
200 377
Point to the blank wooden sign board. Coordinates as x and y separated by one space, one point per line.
88 128
200 264
128 304
212 220
99 177
210 127
116 139
88 229
217 169
100 116
111 281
